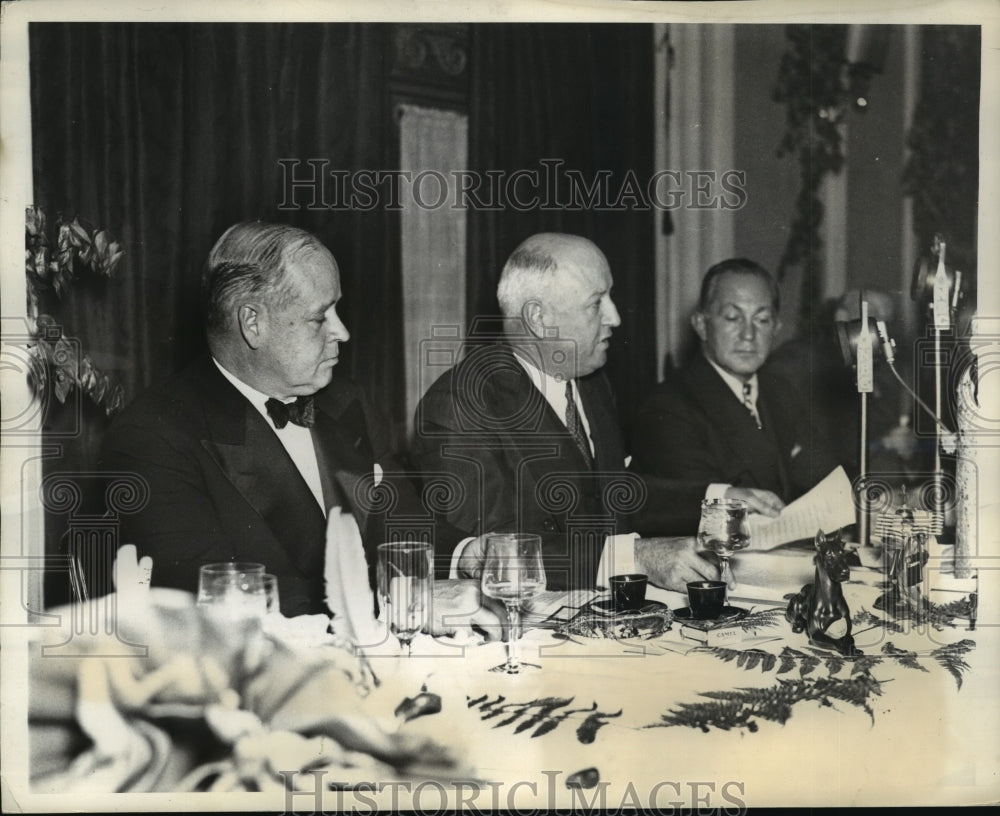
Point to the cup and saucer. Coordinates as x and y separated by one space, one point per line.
708 607
628 595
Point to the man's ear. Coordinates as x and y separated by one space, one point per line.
698 324
251 325
532 313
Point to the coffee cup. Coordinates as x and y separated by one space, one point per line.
628 591
706 599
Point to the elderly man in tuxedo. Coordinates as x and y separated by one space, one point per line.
529 426
724 421
257 451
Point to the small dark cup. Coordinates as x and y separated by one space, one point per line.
628 591
707 598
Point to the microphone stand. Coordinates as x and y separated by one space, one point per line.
942 306
866 384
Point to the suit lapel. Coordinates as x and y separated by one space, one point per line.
605 433
341 454
729 416
781 430
259 467
518 397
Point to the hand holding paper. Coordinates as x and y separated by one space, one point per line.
828 506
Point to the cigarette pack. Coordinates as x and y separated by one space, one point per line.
718 635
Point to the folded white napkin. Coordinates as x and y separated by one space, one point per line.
348 595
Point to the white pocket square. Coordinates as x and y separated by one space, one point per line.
377 473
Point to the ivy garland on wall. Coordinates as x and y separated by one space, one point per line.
824 75
818 85
942 173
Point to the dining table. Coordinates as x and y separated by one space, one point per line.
658 716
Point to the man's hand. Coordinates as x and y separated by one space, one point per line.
459 605
470 562
673 562
758 501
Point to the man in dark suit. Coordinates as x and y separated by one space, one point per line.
249 451
724 421
529 425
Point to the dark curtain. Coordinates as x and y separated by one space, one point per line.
167 134
582 95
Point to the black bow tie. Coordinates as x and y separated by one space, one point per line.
301 412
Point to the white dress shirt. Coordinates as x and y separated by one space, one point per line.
345 572
618 555
554 392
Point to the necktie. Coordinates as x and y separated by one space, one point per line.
749 403
301 412
575 426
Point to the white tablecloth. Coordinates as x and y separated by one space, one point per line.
921 740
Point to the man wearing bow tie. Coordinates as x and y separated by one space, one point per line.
529 426
255 451
724 421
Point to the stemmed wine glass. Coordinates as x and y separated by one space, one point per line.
404 584
724 530
513 573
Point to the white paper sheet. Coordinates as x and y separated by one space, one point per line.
827 507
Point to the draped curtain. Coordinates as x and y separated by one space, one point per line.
165 135
580 94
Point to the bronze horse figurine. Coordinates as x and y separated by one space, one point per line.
819 608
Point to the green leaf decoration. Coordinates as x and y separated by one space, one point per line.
864 663
51 266
587 730
952 657
764 619
788 660
833 661
747 659
544 716
511 719
903 657
34 222
742 707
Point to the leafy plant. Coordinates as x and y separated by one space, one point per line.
543 716
742 707
52 263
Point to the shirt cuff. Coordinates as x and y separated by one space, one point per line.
617 558
716 490
456 555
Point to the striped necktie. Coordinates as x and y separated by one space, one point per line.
750 404
575 426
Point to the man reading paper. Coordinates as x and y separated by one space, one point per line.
725 422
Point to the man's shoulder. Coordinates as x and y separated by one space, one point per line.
482 367
341 394
678 388
179 395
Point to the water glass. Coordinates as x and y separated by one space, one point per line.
513 573
723 530
405 576
271 597
234 589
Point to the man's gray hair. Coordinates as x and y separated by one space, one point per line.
526 276
248 262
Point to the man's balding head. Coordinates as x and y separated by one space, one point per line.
559 285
